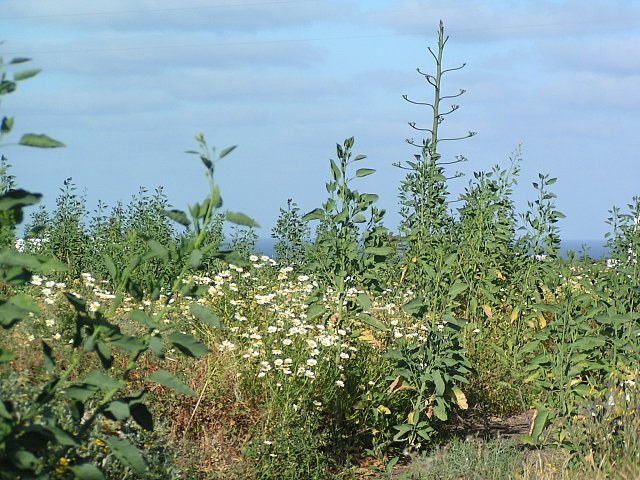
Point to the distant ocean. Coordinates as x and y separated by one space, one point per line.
594 248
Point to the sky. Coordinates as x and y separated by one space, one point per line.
127 84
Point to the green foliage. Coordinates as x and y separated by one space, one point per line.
292 235
429 373
348 249
426 224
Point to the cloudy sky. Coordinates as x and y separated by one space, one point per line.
126 84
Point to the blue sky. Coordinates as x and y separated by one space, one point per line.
126 84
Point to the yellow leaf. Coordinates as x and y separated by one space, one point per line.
410 419
500 275
541 320
514 314
461 398
487 310
383 409
370 339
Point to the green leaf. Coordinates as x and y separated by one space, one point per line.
159 250
205 315
143 318
81 392
24 74
49 360
6 126
379 251
18 60
241 219
227 151
156 345
364 172
39 141
456 289
317 214
440 410
24 460
374 322
539 422
165 378
414 306
195 258
335 171
87 471
364 301
119 409
314 311
188 345
178 216
111 267
439 382
129 455
102 381
216 199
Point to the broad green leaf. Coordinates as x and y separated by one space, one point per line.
359 218
178 216
241 219
111 267
317 214
364 301
24 460
159 250
539 422
456 289
315 310
39 141
81 392
205 315
188 345
374 322
216 199
440 410
143 318
165 378
102 381
364 172
87 471
128 454
128 343
119 409
24 74
195 258
438 382
60 436
414 306
156 345
379 251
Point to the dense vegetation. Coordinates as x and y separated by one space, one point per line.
140 341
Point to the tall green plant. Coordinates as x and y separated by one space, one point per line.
425 220
347 249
